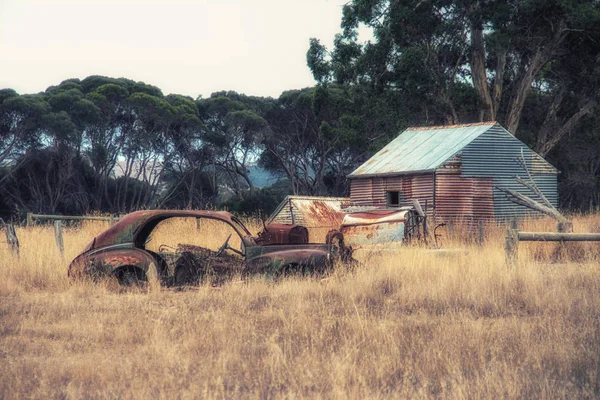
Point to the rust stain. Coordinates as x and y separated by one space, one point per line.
372 227
319 213
122 260
276 233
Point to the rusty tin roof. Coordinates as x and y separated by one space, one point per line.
311 211
421 149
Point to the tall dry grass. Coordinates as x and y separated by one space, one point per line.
406 323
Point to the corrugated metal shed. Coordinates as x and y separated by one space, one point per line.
311 212
421 149
455 170
373 191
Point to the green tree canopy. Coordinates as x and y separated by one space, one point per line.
442 53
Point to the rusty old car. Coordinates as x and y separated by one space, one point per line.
123 252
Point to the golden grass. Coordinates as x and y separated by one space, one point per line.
407 323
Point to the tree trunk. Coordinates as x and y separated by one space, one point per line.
553 140
550 121
528 73
522 86
479 75
498 80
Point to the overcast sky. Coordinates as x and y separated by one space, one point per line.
191 47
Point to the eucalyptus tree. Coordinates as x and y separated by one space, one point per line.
187 183
105 140
315 138
443 54
20 120
147 148
233 130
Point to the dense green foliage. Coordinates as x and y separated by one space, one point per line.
116 145
532 65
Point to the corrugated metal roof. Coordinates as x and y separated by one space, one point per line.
311 211
421 149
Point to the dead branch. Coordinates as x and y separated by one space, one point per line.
523 200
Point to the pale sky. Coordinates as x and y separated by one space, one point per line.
190 47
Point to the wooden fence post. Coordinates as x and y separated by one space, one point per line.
481 233
198 224
292 211
451 229
565 227
112 220
512 248
11 238
29 219
58 235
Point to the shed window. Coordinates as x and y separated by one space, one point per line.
393 198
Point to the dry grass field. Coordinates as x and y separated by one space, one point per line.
406 323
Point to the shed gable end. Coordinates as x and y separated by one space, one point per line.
495 153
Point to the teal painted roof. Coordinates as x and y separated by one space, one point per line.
421 149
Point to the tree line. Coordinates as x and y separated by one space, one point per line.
116 145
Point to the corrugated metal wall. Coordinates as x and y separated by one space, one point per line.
464 197
493 154
422 190
483 197
453 196
379 192
373 191
361 192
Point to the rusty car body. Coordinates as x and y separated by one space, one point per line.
380 226
120 252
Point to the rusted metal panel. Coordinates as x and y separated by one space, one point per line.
310 211
422 190
483 198
464 197
454 186
454 196
396 183
361 191
374 227
379 193
276 233
410 187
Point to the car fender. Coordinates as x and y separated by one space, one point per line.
270 262
104 262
